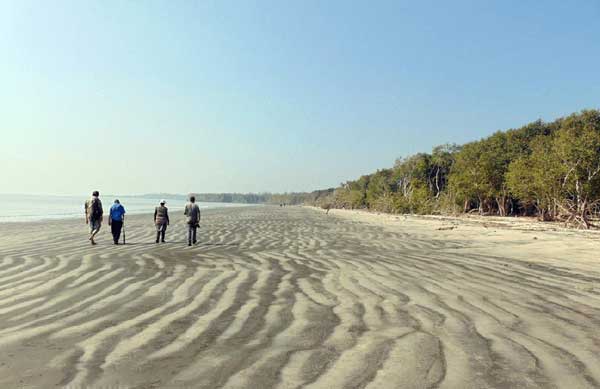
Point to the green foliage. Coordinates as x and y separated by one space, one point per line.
380 186
535 179
442 159
447 204
577 147
470 175
546 169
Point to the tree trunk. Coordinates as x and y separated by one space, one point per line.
437 182
584 214
501 205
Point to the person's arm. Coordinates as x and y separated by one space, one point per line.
167 216
110 212
85 207
124 212
186 211
155 211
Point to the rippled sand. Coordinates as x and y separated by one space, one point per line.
290 297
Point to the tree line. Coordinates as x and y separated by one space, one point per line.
546 169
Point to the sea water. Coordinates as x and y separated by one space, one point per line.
23 208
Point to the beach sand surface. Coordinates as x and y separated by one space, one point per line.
291 297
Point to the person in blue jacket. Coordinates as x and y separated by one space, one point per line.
115 220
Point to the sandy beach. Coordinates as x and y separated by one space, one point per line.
291 297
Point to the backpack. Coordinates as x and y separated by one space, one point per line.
95 211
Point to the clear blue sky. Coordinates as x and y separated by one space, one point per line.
177 96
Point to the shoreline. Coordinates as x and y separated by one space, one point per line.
526 241
517 223
56 218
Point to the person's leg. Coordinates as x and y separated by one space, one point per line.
95 230
118 225
158 233
119 231
194 235
190 229
163 232
113 230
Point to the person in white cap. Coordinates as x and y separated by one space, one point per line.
161 221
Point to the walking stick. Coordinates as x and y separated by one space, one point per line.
123 229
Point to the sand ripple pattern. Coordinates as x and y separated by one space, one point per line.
286 298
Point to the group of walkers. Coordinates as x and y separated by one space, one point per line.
94 214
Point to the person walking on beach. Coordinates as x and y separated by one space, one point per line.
161 221
93 215
192 211
115 220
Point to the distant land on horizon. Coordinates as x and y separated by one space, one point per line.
249 198
242 198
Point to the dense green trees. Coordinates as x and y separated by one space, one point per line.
551 170
560 176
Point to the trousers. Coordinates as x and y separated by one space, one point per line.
115 229
161 229
192 233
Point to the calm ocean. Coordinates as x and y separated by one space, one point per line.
22 208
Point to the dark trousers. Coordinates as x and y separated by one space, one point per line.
192 233
115 228
161 230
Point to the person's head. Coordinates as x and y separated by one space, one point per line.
192 199
117 201
163 202
95 193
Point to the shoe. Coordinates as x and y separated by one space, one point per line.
194 242
116 242
94 243
163 241
157 241
189 244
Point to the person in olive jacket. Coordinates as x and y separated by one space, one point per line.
161 221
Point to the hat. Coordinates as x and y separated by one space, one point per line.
163 201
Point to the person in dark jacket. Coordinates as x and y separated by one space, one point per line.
161 221
115 220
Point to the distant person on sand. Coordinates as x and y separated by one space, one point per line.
192 211
115 220
93 214
161 220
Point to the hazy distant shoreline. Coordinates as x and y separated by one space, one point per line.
32 208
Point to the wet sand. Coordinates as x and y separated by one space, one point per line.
290 297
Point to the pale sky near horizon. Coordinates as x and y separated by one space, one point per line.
249 96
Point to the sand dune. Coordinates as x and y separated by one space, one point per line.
290 298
